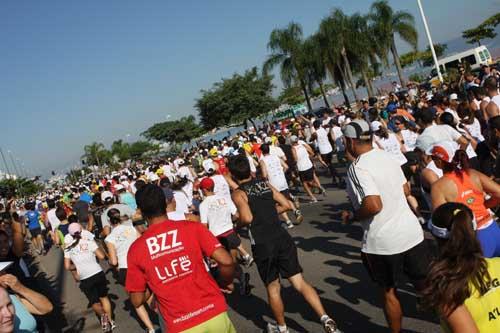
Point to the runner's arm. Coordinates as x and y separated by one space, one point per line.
371 206
241 201
263 169
17 239
461 321
113 260
437 196
225 265
34 302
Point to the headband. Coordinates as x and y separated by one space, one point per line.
444 233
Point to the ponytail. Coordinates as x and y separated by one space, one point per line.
77 236
459 263
460 162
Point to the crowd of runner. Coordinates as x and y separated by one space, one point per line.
417 161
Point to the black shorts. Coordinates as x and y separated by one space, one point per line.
327 158
35 232
275 259
307 175
387 270
230 241
95 287
286 193
122 276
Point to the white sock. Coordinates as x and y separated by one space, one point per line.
324 318
282 328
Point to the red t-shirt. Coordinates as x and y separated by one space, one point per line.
256 149
168 258
222 170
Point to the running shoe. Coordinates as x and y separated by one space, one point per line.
298 216
422 220
113 324
150 330
245 285
323 191
105 324
248 260
330 326
289 224
273 328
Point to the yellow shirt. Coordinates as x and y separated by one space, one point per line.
486 309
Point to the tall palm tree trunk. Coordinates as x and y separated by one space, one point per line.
320 84
349 74
395 55
368 85
306 94
342 85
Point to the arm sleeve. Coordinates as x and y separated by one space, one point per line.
455 135
208 242
203 213
362 184
136 278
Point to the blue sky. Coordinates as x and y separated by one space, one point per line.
74 72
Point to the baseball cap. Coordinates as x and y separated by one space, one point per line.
357 129
391 107
444 150
74 228
453 97
375 125
294 138
207 183
119 187
268 140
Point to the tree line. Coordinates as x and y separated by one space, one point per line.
343 48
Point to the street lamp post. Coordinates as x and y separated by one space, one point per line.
431 45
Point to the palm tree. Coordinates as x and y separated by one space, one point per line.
286 50
334 32
363 49
314 64
94 153
387 24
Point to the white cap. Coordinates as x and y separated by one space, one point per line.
119 187
444 150
209 166
268 140
106 195
375 125
453 97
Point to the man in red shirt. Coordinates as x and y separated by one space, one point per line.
167 260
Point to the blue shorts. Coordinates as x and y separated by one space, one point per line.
490 240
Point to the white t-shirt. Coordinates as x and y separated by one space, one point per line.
303 161
216 211
221 187
83 255
392 146
275 172
324 145
395 229
439 133
176 216
475 130
122 236
339 142
276 151
410 139
124 210
53 220
181 202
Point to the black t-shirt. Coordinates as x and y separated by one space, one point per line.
81 209
265 226
63 228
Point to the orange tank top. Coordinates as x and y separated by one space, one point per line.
470 196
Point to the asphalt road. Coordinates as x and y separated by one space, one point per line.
329 253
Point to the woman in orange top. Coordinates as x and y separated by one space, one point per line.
467 186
